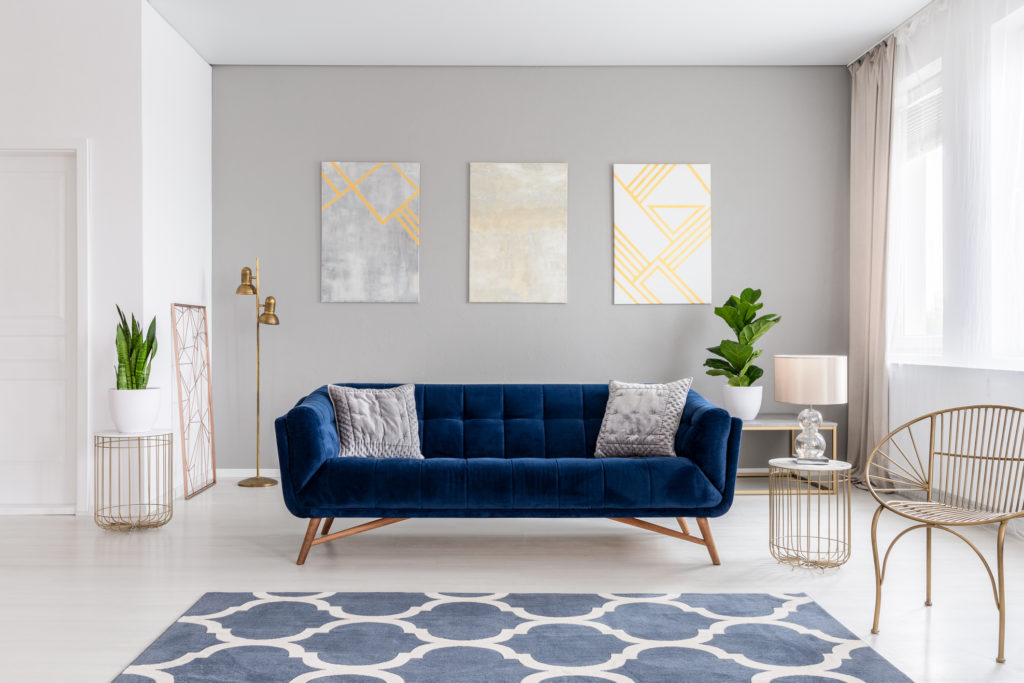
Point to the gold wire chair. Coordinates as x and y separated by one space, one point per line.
956 467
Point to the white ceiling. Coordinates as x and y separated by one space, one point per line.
534 32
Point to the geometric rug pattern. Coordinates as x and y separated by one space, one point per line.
508 637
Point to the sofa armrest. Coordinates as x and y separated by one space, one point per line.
306 439
704 438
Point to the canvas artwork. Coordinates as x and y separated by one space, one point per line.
369 232
518 232
662 233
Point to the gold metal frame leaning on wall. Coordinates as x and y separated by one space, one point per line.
972 474
190 319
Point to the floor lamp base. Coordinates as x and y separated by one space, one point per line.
258 482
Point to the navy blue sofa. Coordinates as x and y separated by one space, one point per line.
512 450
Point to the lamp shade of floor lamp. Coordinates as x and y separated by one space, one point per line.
810 380
266 314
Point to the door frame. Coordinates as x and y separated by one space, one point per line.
80 421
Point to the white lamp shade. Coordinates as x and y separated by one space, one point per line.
810 380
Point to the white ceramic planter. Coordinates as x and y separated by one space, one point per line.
742 402
134 410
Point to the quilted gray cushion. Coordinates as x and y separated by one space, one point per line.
376 423
641 420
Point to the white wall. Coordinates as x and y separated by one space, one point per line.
918 389
778 141
71 70
176 193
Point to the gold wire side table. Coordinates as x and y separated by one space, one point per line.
809 525
133 480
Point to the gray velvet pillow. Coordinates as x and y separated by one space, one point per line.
376 423
641 420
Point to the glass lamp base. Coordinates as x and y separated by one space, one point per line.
810 445
258 482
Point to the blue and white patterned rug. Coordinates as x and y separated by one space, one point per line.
529 637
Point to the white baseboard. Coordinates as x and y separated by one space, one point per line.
38 510
242 473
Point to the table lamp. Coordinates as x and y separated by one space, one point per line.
810 381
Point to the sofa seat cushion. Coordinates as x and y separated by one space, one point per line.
519 487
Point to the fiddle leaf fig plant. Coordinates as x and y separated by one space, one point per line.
735 359
134 353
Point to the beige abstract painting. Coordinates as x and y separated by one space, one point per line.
518 232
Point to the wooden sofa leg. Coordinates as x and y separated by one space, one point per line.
311 540
307 541
709 540
705 539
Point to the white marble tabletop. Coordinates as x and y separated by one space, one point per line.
792 464
112 434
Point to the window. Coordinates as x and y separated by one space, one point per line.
915 250
955 267
1007 198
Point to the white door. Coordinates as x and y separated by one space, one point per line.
37 331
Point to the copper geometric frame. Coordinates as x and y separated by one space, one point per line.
195 397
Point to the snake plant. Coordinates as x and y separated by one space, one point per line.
134 353
736 358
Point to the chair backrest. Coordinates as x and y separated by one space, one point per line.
515 420
970 458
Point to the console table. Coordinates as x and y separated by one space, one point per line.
781 422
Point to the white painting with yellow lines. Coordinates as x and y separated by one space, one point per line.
369 232
662 233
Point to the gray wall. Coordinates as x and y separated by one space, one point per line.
777 139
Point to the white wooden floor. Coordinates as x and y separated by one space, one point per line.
78 603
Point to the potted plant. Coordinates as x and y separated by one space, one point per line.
134 406
735 359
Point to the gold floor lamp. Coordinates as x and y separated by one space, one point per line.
265 315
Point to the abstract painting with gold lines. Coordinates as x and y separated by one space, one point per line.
369 232
662 233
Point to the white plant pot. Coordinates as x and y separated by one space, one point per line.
134 410
742 402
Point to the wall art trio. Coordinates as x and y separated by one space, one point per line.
518 232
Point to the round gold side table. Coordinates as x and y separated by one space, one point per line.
132 478
809 525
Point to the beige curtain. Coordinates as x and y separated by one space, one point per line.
870 132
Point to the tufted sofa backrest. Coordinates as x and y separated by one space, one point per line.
512 420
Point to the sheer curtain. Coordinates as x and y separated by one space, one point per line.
956 205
